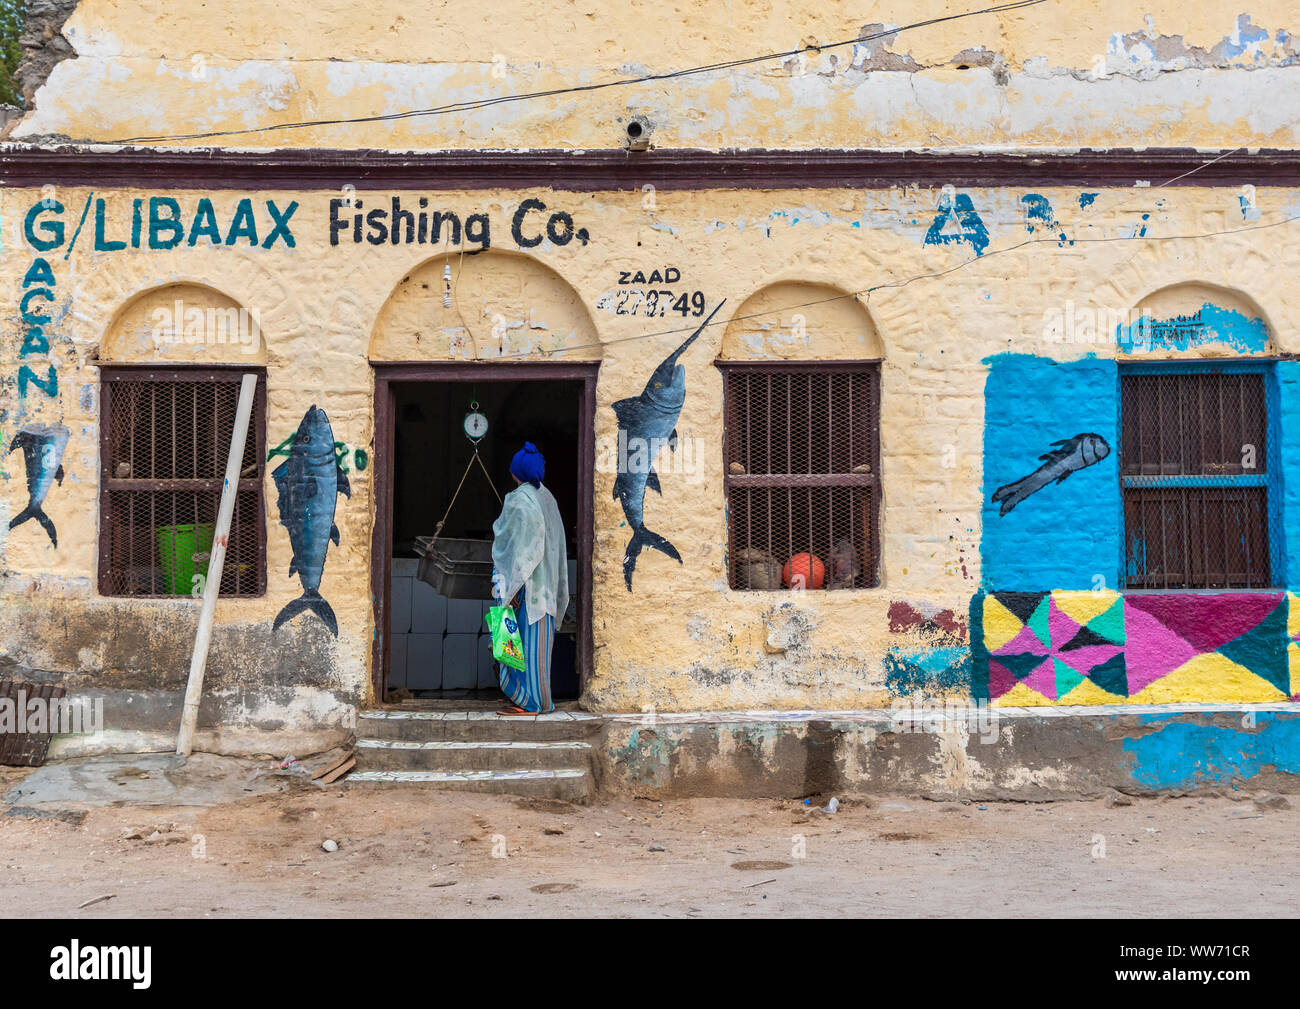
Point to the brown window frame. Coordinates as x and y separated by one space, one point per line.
111 580
1181 475
865 527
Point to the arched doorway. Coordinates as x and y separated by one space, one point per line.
504 337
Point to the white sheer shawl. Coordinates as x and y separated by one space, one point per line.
528 549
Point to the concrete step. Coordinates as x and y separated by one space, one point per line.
569 784
471 755
476 726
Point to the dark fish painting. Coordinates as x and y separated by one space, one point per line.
43 446
309 483
648 421
1065 457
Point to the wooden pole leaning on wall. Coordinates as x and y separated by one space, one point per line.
217 559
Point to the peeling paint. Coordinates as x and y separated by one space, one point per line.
928 670
1184 754
1176 80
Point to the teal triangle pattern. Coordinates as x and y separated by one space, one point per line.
1111 675
1022 664
1110 623
1262 650
1038 622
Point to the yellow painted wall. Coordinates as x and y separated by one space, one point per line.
681 639
1082 73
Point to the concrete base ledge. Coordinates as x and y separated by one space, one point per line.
298 720
1031 754
942 752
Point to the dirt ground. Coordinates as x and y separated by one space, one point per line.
404 852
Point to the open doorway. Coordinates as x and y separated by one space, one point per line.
436 646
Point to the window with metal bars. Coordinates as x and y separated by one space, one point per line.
801 452
1195 472
164 438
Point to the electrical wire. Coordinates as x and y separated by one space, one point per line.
866 292
710 68
469 106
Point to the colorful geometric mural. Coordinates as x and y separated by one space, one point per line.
1072 647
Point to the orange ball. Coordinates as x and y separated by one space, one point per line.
806 569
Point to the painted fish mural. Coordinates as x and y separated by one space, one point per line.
649 420
1065 457
308 483
43 446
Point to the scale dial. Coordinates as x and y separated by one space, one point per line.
476 425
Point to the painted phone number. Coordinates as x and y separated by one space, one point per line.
653 303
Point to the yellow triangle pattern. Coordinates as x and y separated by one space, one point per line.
1083 606
1021 696
1088 692
1208 677
1000 624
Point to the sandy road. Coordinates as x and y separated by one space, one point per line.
404 853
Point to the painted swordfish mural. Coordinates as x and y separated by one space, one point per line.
308 483
43 446
644 424
1065 457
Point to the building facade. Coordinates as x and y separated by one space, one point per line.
953 361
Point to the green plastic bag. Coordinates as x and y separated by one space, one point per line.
507 645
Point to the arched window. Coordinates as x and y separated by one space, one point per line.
801 393
169 392
1198 466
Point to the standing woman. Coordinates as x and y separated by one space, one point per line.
530 562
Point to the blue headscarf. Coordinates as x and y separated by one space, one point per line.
528 465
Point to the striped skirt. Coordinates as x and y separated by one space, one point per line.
530 688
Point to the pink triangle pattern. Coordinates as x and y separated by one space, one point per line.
1043 679
1000 679
1026 642
1082 660
1061 627
1206 622
1152 650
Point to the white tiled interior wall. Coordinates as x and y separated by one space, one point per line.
438 643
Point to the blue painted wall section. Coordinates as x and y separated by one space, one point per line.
1287 458
1208 326
930 671
1184 754
957 223
1039 216
1066 534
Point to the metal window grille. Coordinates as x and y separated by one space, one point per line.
801 451
1194 470
29 749
164 437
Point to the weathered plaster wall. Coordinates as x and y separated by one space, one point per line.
953 753
1096 73
945 307
43 44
